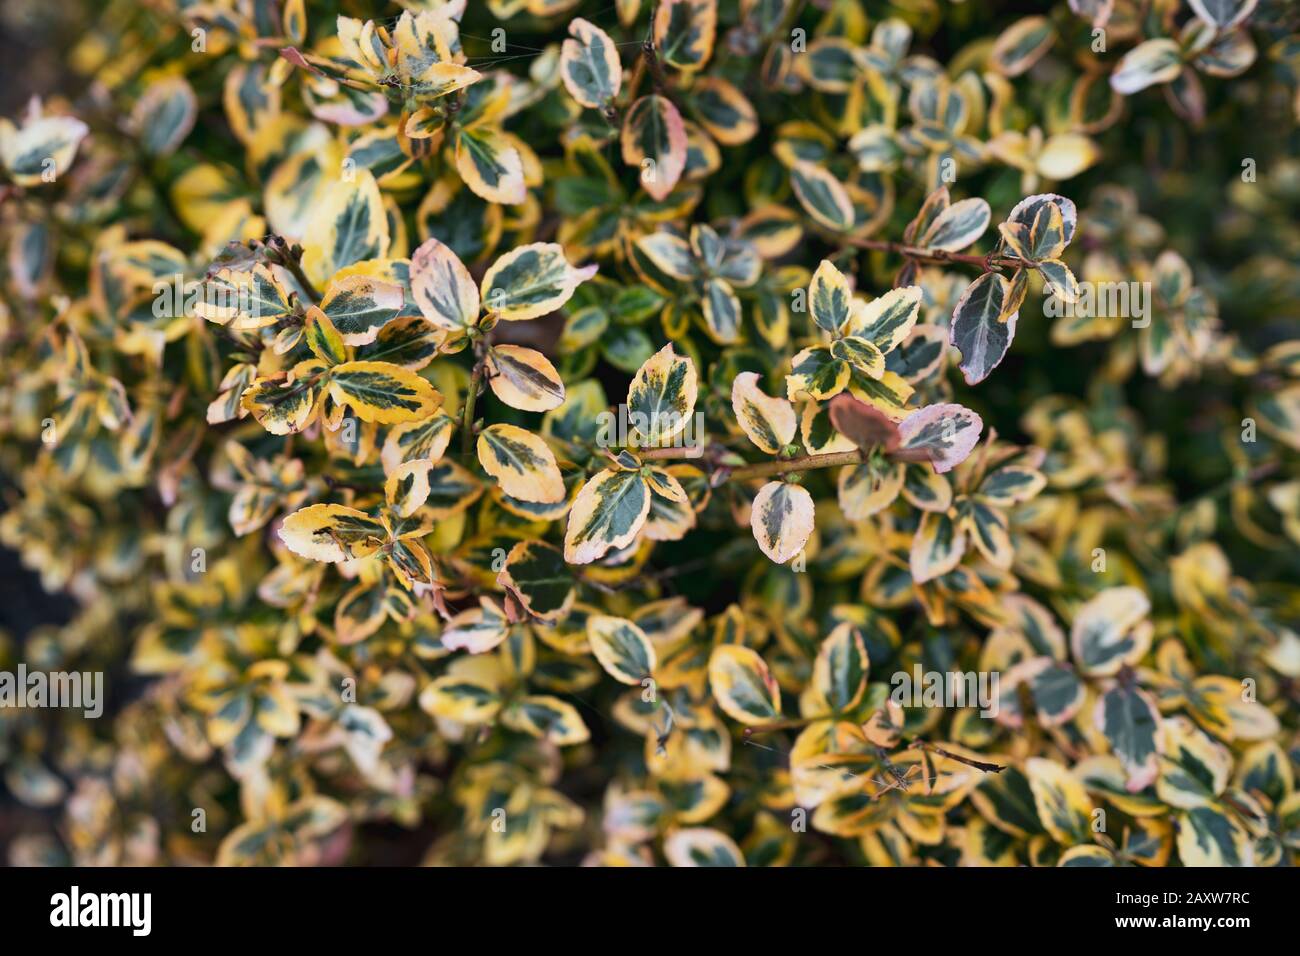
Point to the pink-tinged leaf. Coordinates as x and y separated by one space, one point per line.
943 435
654 140
863 424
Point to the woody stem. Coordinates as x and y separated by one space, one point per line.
766 469
977 764
763 469
656 70
290 263
937 255
652 454
467 414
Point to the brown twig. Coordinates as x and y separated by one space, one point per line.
670 453
988 262
920 744
762 469
657 76
281 254
765 469
467 413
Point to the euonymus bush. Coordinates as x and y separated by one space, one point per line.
696 431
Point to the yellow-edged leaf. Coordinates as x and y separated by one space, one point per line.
521 462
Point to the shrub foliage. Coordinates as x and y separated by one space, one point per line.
660 431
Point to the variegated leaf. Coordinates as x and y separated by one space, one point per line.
723 110
244 300
360 306
888 320
822 196
661 398
865 490
684 32
861 355
990 532
524 378
411 342
382 392
1128 717
889 393
476 630
1108 631
958 226
1011 485
164 115
1021 45
407 488
768 422
830 300
1059 279
841 669
1210 836
589 65
530 281
348 226
816 373
1223 14
702 846
40 146
521 463
722 315
654 141
1054 688
608 513
1026 212
442 287
622 648
782 519
323 338
937 547
818 432
548 718
943 435
1193 769
490 165
461 699
669 253
452 489
978 328
332 533
1061 801
426 439
743 686
671 514
537 573
1150 63
281 405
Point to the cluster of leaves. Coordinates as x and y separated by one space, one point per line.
311 319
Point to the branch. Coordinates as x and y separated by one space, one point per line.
467 413
656 68
977 764
987 262
301 277
280 252
669 452
762 469
803 463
